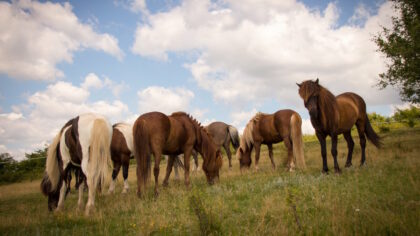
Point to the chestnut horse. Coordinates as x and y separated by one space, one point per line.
172 135
223 135
284 125
83 142
121 152
333 115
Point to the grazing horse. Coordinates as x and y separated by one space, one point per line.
121 152
172 135
83 142
333 115
284 125
222 134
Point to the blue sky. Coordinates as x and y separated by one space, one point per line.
219 60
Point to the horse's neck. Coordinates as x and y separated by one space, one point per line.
328 113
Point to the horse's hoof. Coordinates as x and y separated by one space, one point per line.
325 171
165 184
348 164
124 191
140 195
337 171
156 194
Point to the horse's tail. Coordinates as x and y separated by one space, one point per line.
371 134
52 174
142 152
99 153
297 141
234 136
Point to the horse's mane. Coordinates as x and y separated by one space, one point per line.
326 102
247 140
205 142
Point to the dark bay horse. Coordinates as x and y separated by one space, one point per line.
83 142
121 152
284 125
333 115
156 133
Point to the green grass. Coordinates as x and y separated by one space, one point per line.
381 198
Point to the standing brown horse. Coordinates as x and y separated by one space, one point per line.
284 125
333 115
121 152
172 135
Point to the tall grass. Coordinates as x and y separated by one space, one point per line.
381 198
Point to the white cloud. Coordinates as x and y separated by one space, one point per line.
36 36
92 80
253 52
307 127
166 100
35 122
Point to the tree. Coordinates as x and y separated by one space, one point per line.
401 46
408 116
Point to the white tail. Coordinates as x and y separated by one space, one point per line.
296 132
52 169
99 153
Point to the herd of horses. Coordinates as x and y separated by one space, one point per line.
87 143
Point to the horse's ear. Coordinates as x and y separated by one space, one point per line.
317 81
299 85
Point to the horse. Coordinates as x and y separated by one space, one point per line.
157 133
283 125
223 135
121 152
84 142
333 115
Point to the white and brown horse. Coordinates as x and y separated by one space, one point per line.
121 152
284 125
83 142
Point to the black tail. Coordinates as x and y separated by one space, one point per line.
371 135
142 151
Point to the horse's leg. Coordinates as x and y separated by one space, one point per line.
169 166
321 138
125 165
187 154
68 182
350 146
157 154
115 171
362 137
290 159
228 153
195 156
257 154
270 154
81 190
334 152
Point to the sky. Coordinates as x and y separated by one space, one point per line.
221 60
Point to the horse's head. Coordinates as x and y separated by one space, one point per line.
244 157
211 168
309 92
53 196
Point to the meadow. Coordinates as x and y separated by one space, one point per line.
381 198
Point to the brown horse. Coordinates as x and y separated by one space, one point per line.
172 135
223 135
284 125
333 115
121 152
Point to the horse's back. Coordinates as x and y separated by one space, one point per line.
351 107
219 132
126 130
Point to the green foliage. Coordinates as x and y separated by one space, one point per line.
31 168
401 46
408 116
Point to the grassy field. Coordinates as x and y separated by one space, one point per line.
382 198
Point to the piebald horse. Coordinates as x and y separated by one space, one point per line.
333 115
83 142
121 152
284 125
172 135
